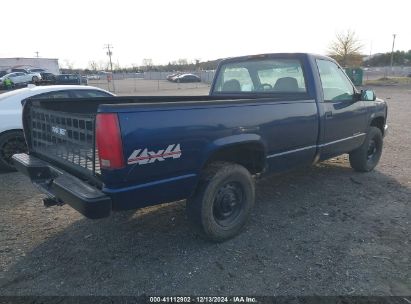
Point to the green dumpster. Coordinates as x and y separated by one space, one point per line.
355 74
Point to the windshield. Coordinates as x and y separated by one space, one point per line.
261 75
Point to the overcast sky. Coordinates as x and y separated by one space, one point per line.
165 30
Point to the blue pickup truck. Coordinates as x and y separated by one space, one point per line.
265 114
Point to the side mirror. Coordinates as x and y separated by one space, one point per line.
368 95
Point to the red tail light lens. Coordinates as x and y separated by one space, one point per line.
109 144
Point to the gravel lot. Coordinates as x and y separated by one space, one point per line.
322 230
130 86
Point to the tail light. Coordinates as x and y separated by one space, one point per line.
109 144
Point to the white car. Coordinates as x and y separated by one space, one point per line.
21 77
11 129
93 77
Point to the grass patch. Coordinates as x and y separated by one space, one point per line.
389 81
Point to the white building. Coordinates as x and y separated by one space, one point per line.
49 64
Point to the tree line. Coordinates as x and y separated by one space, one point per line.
346 49
147 64
400 58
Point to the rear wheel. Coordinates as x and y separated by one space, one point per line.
223 201
366 157
11 143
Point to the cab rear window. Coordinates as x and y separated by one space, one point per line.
261 75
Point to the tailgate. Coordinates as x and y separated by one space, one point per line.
67 139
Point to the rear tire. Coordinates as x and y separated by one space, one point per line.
366 157
222 203
11 143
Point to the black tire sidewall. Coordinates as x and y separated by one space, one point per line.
4 138
228 173
359 158
376 135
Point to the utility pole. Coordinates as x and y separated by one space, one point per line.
109 54
37 54
371 49
392 50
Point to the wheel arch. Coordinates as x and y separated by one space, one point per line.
378 122
2 132
246 149
4 159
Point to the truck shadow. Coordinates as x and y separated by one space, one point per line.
312 231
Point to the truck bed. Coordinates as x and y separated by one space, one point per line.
63 131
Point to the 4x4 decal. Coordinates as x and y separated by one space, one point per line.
147 157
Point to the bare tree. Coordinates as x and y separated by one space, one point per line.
93 65
182 61
147 63
68 64
102 65
346 48
134 67
117 66
197 64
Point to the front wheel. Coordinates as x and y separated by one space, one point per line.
223 201
366 157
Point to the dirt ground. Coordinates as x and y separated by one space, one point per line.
322 230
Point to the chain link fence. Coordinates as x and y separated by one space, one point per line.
375 73
151 82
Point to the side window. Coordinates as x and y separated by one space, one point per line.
90 94
335 83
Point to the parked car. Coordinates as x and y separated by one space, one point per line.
187 78
37 70
70 79
84 80
172 76
265 114
93 77
11 134
47 78
21 77
19 70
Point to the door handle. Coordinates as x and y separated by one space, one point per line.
328 115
